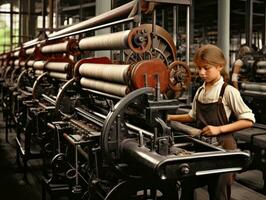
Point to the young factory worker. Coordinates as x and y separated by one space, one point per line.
239 63
212 106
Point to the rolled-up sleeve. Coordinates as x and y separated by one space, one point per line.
237 105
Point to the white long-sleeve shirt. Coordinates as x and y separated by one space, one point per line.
232 101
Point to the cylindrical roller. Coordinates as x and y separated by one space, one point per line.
30 51
16 54
261 64
104 42
251 62
254 86
137 39
39 64
38 72
110 88
255 92
261 71
30 62
16 62
108 72
22 63
57 66
55 48
58 75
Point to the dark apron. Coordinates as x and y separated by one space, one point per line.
214 114
219 186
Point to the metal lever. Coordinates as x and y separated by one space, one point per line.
158 87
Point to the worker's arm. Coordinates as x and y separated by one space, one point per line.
232 127
235 73
180 118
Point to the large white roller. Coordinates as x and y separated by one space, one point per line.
30 51
55 48
30 62
22 63
39 64
58 75
108 72
261 64
255 92
254 86
16 54
16 62
38 72
110 88
251 62
261 71
116 40
57 66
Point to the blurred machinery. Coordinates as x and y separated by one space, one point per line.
252 86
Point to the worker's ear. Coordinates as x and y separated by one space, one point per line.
219 67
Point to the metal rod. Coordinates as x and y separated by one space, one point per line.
249 22
153 27
158 87
139 12
76 165
11 25
51 14
187 39
264 26
43 13
98 20
175 24
20 21
50 100
92 29
35 41
135 128
89 116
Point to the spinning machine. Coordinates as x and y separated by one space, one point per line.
115 141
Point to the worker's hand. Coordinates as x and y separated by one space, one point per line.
211 130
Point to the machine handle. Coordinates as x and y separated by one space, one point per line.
185 128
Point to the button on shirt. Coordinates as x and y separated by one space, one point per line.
232 101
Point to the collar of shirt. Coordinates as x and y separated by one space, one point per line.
211 95
221 80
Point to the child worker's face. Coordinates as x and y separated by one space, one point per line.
209 73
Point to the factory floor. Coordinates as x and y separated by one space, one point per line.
14 187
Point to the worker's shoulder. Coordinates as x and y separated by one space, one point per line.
231 90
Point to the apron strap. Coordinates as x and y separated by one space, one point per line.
222 93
